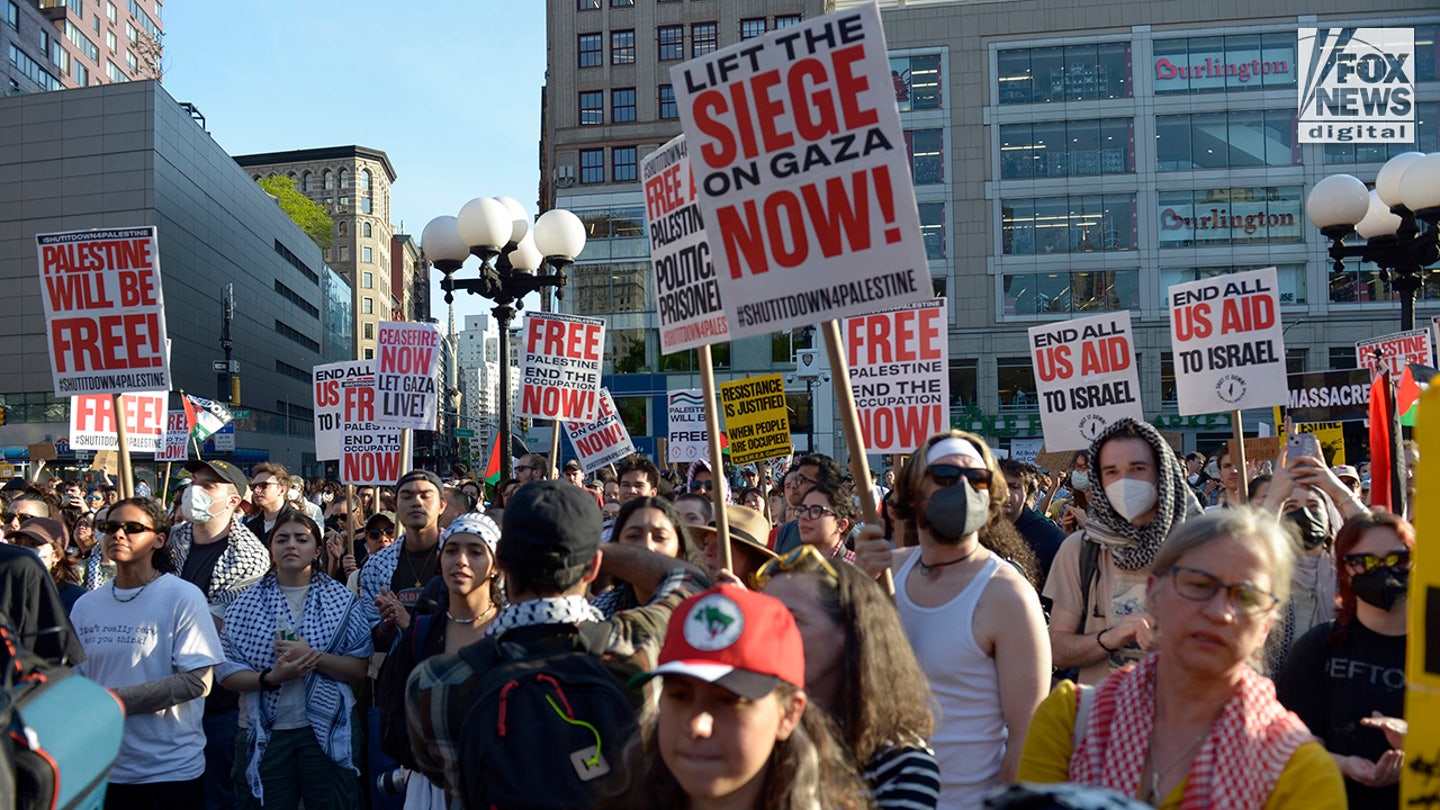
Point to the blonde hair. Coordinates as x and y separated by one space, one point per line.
1252 526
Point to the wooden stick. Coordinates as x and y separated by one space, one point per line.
1238 458
554 462
854 439
127 476
406 436
717 465
349 520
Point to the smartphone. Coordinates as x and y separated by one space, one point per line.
1303 444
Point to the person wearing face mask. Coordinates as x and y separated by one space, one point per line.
216 552
1098 620
1346 678
1066 503
973 620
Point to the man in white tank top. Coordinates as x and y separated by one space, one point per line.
973 619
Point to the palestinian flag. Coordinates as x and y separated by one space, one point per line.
492 468
1413 380
205 416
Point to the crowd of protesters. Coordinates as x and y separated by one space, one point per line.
1179 631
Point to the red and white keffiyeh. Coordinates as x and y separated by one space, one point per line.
1237 765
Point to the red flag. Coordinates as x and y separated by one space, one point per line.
492 469
1409 392
1381 490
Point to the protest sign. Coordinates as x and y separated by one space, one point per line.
900 374
1330 396
43 450
175 444
1025 450
1435 340
604 441
1228 343
1054 462
1086 377
104 317
687 426
369 453
409 354
560 360
106 461
92 421
1422 656
687 297
1258 448
329 382
755 418
802 174
1396 351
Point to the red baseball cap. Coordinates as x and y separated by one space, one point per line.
737 639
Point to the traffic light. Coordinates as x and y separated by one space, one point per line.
2 415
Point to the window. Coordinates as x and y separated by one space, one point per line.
344 179
1067 148
130 32
366 230
927 159
111 42
32 69
1015 382
328 179
1230 216
627 351
344 253
368 330
366 255
1291 278
343 228
1222 140
369 353
131 62
1079 224
1071 293
367 193
623 158
786 20
589 50
592 165
367 306
622 105
297 336
668 109
1220 64
367 280
615 223
81 75
932 229
608 288
622 47
297 299
1363 283
703 38
1069 73
752 28
305 184
12 14
587 5
1427 131
964 379
622 3
592 108
917 81
79 40
110 12
671 42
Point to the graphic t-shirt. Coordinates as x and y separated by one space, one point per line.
1115 594
412 571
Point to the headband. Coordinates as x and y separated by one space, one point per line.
952 446
476 524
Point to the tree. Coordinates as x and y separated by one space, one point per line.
306 213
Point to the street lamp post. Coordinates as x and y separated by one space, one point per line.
515 260
1399 222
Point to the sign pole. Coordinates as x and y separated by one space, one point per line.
350 518
405 439
1237 456
554 461
127 477
165 484
717 468
850 420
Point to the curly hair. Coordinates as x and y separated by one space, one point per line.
1345 543
163 559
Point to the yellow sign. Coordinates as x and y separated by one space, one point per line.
756 419
1330 434
7 470
1420 778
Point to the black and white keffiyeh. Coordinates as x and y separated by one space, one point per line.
244 561
550 610
332 623
1134 547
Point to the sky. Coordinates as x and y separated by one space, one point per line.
449 89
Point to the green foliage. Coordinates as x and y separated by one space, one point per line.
306 213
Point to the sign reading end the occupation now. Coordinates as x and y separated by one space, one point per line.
802 175
1228 342
1086 377
560 362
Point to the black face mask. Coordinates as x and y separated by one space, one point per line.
1382 586
1312 528
957 511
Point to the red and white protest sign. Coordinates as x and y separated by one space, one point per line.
328 382
1228 343
369 452
603 441
104 317
175 444
802 174
900 374
408 356
560 360
687 296
92 421
1086 377
1396 351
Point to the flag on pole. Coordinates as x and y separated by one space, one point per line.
1413 380
205 416
492 469
1387 475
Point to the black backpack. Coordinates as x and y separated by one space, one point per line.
547 721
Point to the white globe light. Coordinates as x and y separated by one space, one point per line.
1337 200
520 218
485 222
559 233
1420 185
1378 220
1387 182
441 241
526 257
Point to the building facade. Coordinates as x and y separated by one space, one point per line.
57 44
478 359
352 184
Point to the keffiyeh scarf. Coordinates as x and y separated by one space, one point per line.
244 561
1134 546
332 623
551 610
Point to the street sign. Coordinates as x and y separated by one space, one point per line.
464 433
240 413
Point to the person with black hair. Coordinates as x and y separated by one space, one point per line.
804 475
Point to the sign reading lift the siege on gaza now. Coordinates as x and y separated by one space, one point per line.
900 374
560 361
802 175
1228 342
104 316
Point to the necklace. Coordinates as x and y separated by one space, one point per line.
410 563
484 613
926 568
136 595
1157 773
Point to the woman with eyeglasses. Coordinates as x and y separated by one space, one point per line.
1346 678
860 669
1194 725
149 638
826 517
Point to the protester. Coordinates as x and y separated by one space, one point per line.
754 498
973 620
31 603
701 480
1194 725
1068 501
532 467
748 532
776 511
293 645
639 478
733 728
650 523
1313 520
860 669
1099 621
457 503
1230 477
154 646
269 489
297 500
695 509
1346 678
826 516
807 472
1043 537
31 503
48 539
394 576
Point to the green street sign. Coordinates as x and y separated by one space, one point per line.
241 413
463 433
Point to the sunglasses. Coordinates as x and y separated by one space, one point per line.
814 512
130 527
94 497
6 517
949 474
701 486
801 556
378 532
264 485
1369 562
1201 586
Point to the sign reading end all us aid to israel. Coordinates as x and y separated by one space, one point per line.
1086 377
1228 342
802 175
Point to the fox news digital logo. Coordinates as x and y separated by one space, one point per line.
1356 85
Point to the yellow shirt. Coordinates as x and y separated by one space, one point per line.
1310 780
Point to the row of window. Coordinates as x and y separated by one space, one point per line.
669 41
623 163
31 69
343 228
288 331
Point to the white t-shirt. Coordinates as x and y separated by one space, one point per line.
290 710
162 631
